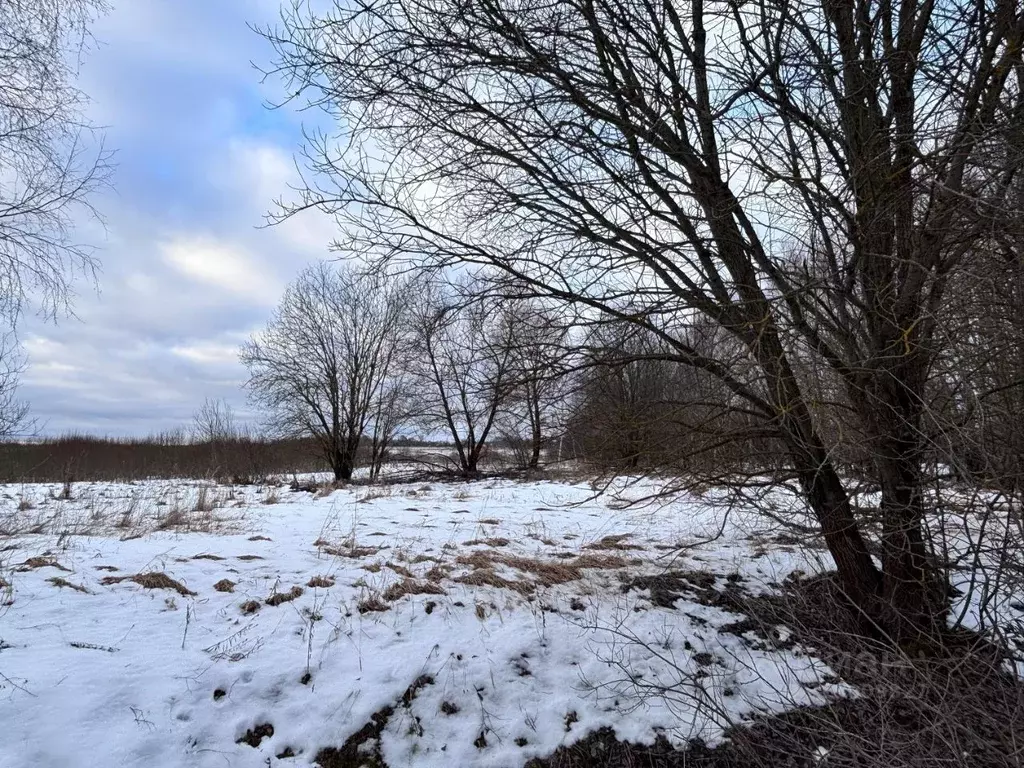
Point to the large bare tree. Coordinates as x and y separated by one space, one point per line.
51 160
324 359
809 176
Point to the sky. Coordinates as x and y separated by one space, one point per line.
188 271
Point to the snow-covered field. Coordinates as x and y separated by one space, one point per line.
447 624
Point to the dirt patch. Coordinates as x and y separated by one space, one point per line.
255 735
42 562
363 749
57 581
152 580
225 585
278 598
320 581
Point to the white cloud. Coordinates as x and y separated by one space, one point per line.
221 265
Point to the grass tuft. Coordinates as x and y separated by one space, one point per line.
57 581
152 580
284 597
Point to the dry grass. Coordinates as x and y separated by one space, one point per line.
248 558
373 567
225 585
613 542
604 562
250 606
492 542
320 581
371 604
151 580
410 587
57 581
42 562
205 503
485 577
284 597
272 497
437 573
353 552
175 517
489 521
206 556
260 538
401 570
546 573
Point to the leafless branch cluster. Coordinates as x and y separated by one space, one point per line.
819 185
51 160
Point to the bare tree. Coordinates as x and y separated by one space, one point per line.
538 376
323 359
810 177
50 160
50 163
464 369
214 420
14 418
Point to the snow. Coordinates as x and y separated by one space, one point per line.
125 675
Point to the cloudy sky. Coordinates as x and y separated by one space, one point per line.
187 272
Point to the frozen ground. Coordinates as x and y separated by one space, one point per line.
446 624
